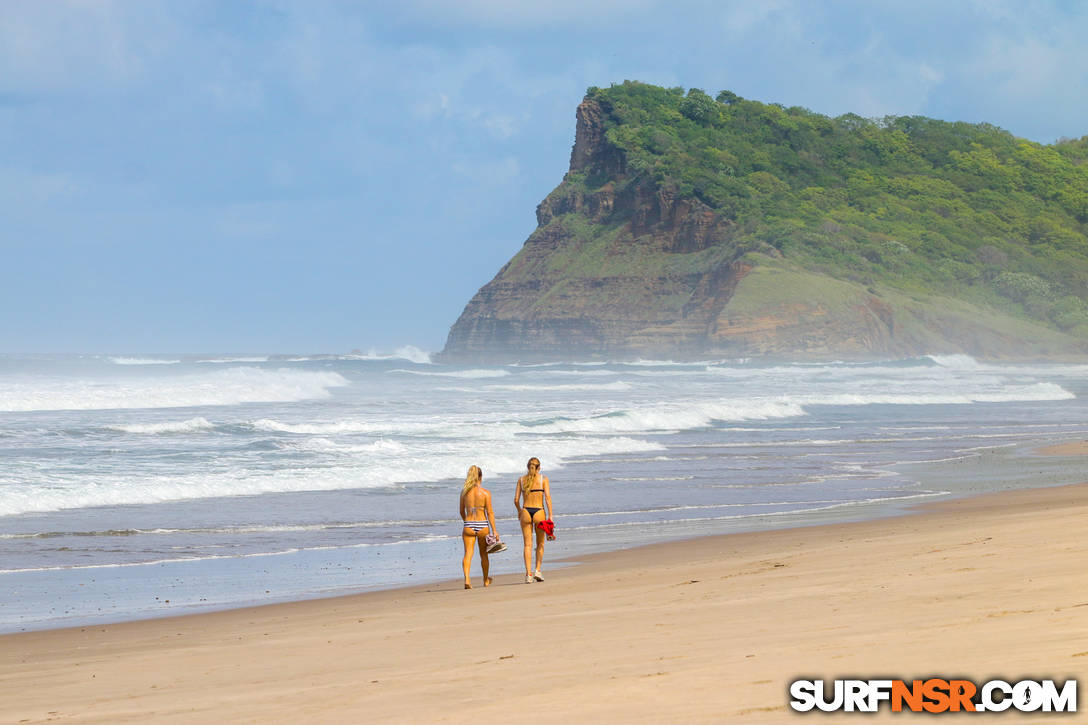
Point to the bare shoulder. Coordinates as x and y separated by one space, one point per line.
546 481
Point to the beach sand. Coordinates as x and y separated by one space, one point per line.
709 630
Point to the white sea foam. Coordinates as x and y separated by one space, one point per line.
436 426
241 529
142 361
343 426
956 362
472 374
180 426
219 387
325 445
578 373
1005 394
672 417
380 464
768 514
227 360
617 385
411 353
215 557
667 363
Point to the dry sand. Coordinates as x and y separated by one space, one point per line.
711 630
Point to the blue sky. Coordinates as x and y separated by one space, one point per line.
322 176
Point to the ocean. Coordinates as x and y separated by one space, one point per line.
142 486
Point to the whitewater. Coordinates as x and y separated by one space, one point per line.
146 485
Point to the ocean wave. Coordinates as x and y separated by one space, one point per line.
142 361
181 426
1006 394
228 360
376 465
250 555
137 490
239 529
472 374
220 387
955 361
411 353
445 427
578 373
618 385
668 363
324 445
671 417
769 514
346 427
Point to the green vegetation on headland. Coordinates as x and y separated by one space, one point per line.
909 204
691 226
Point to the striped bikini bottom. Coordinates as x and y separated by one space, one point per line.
476 525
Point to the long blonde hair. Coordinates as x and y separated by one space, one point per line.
472 480
529 478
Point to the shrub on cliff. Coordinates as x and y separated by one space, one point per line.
909 201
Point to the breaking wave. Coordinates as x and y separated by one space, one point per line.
220 387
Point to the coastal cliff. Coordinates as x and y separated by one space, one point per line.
689 227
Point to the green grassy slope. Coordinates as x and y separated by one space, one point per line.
918 208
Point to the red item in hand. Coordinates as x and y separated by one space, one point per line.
548 527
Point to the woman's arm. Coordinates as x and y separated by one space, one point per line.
491 515
548 498
517 496
461 505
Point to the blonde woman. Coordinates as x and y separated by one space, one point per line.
478 519
533 500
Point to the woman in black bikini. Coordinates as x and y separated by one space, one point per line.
534 491
478 520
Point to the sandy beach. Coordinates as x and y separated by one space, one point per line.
709 630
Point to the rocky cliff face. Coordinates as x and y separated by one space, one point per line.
622 266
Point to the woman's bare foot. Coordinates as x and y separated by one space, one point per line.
468 586
487 582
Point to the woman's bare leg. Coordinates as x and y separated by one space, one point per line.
467 561
481 539
539 549
527 536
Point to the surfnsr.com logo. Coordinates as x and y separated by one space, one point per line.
933 695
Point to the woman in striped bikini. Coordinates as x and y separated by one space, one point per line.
478 521
533 500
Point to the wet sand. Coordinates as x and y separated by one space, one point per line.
709 630
1072 448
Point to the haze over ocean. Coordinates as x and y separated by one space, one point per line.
145 486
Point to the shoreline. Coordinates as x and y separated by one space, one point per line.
1069 448
985 585
846 512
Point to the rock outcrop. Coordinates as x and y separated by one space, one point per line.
623 265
